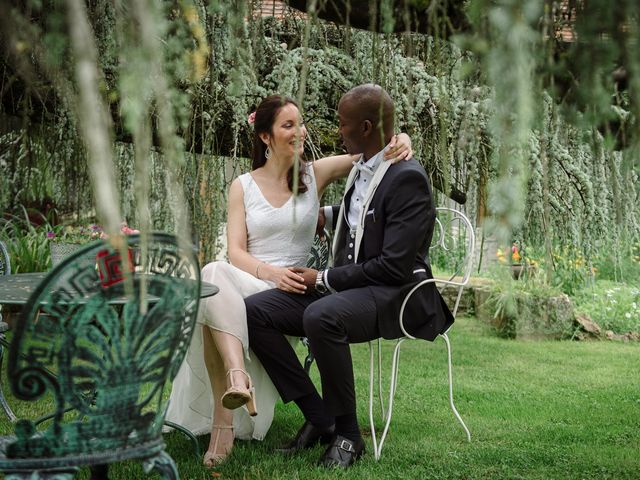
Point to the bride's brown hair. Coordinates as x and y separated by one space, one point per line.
265 116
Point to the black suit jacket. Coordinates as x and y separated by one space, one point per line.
395 243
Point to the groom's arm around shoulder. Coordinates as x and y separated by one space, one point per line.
402 214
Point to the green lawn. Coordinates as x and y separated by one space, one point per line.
536 410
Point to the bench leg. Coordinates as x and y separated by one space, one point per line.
188 433
163 464
3 401
308 360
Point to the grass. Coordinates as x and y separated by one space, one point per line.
536 410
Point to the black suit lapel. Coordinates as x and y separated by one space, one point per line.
347 202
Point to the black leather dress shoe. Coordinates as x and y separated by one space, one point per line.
307 437
342 452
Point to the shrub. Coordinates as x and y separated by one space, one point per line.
571 270
528 309
78 235
27 244
614 306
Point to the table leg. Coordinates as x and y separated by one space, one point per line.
3 400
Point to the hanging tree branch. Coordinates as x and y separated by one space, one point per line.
94 118
440 18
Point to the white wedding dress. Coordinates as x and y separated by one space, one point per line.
278 236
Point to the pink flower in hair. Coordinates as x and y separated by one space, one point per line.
251 118
129 231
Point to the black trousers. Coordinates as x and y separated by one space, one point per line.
330 322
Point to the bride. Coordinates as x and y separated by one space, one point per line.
269 230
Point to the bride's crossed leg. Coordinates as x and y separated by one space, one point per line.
225 344
231 387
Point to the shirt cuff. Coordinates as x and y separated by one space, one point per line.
328 217
325 279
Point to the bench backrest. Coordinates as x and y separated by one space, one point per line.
454 239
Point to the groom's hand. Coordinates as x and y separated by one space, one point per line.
308 274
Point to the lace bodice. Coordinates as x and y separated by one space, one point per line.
280 236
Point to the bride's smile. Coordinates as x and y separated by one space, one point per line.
288 134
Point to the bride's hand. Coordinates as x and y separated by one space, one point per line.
399 149
287 280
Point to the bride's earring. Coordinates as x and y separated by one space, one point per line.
267 152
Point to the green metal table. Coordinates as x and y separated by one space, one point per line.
16 289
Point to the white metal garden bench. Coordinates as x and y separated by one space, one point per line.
454 233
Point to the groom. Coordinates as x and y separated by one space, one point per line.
384 228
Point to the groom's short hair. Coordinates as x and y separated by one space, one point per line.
373 104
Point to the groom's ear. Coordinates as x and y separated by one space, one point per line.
367 126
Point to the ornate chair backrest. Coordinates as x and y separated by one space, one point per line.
104 337
454 239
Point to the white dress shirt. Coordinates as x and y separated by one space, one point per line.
361 185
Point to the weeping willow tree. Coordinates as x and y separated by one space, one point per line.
523 110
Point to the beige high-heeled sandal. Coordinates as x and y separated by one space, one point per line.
212 457
237 396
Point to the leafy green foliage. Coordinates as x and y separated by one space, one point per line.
618 262
28 245
74 234
613 306
571 271
528 307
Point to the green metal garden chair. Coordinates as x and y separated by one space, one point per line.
103 336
